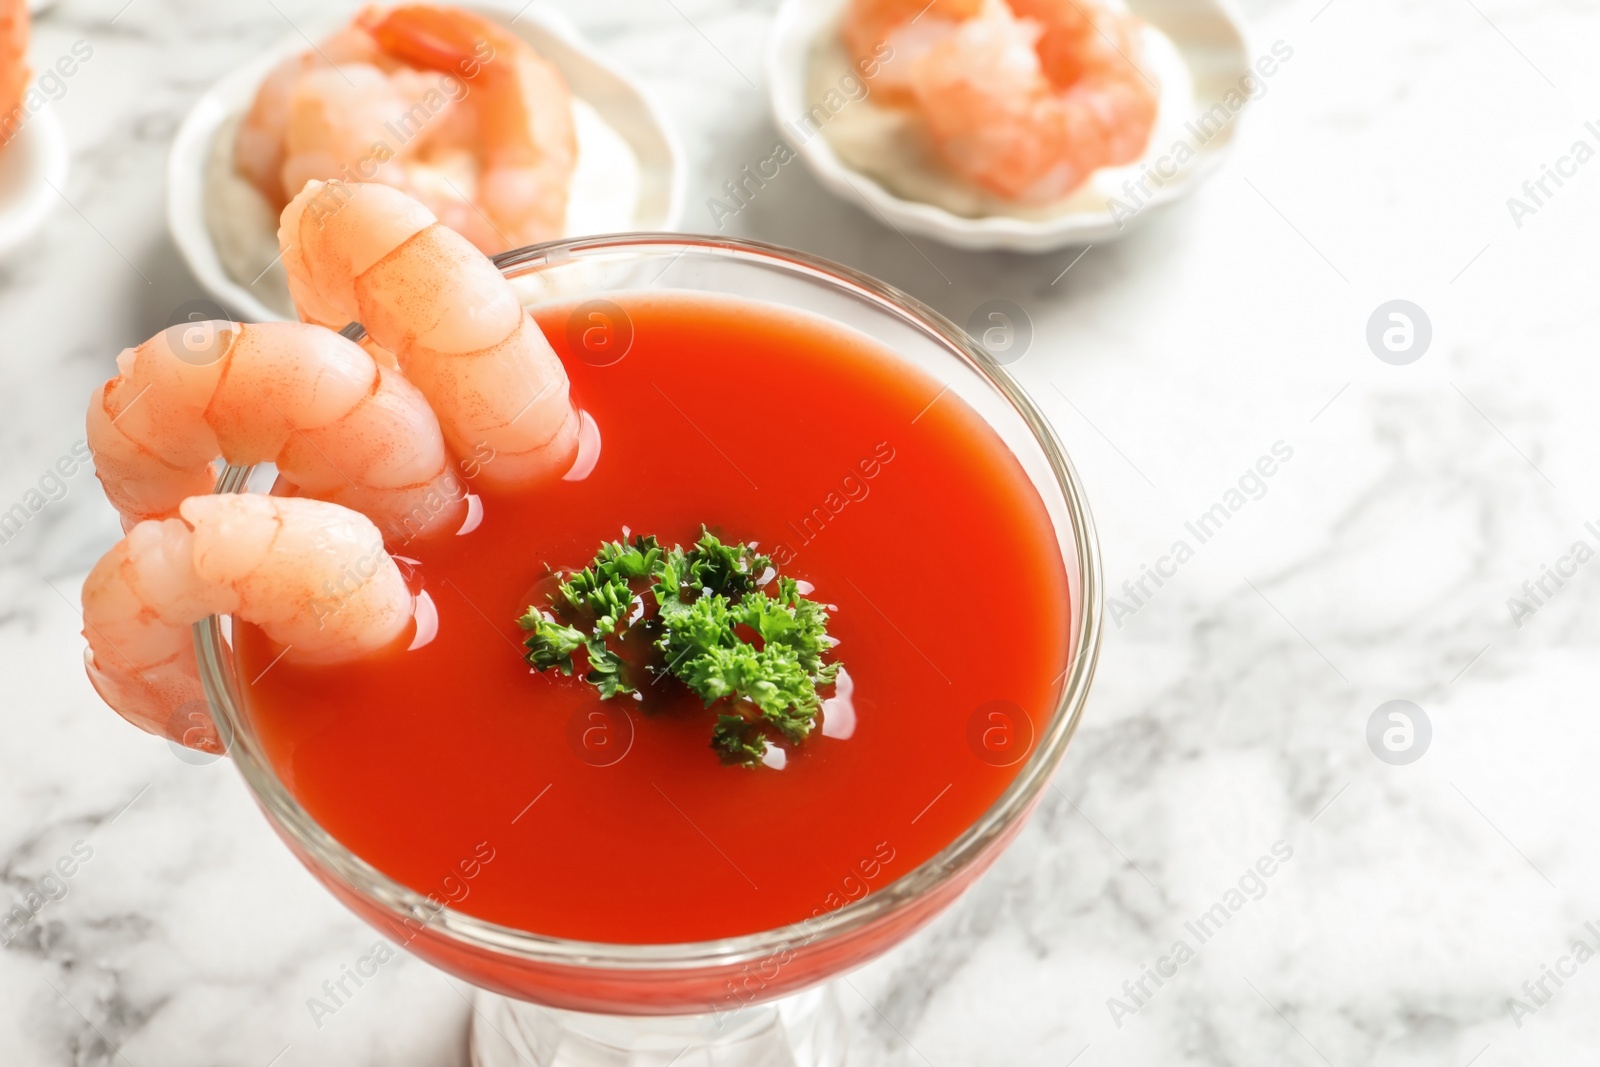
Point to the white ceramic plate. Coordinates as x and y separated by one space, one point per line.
1202 38
611 94
35 159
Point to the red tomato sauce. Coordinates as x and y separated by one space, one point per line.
914 520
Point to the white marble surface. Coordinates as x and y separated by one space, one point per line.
1230 710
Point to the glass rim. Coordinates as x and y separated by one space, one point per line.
969 847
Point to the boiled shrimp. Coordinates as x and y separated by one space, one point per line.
313 575
1030 108
13 63
446 106
339 425
338 115
260 146
368 253
523 134
889 36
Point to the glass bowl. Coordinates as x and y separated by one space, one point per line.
721 980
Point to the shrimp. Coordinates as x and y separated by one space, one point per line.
1028 108
889 36
13 66
259 148
339 425
523 135
338 115
448 107
370 254
313 575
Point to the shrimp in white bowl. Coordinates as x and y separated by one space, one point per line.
445 105
520 137
13 60
260 145
313 576
1024 98
339 425
367 253
887 37
365 448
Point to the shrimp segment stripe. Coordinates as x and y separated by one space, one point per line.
339 425
370 254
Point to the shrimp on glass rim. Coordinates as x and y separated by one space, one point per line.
313 575
367 253
1024 98
339 425
358 440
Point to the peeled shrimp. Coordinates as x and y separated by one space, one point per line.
524 134
337 117
339 425
370 254
13 63
1025 98
889 36
314 576
1029 109
259 147
869 23
448 107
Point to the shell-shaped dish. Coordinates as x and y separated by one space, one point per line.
227 234
1200 55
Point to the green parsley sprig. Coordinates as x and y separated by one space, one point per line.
703 598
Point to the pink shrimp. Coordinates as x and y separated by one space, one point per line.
13 66
887 37
260 146
370 254
523 135
339 425
338 116
449 107
1029 108
314 576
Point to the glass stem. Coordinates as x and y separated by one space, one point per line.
803 1030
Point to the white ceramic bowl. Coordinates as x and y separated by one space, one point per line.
1201 38
615 97
35 160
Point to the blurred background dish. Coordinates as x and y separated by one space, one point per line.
33 152
30 164
1194 49
628 174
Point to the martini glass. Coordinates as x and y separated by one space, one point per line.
761 999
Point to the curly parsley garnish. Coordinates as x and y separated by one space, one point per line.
705 600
